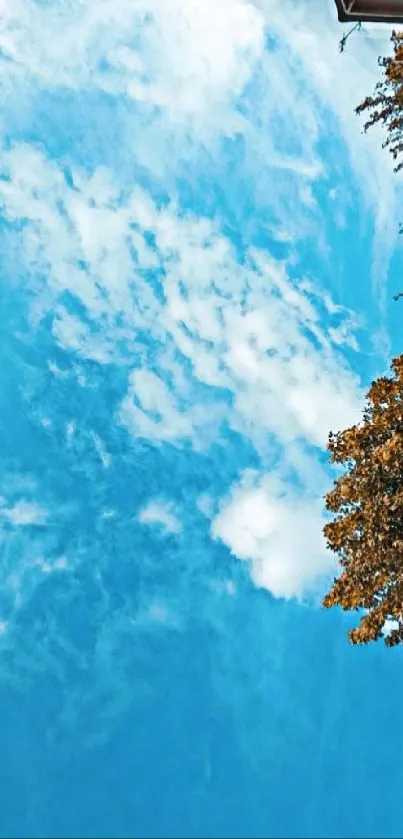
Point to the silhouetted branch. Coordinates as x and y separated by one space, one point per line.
343 41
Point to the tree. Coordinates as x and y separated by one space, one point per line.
386 106
367 530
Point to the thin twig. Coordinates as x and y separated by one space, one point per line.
343 41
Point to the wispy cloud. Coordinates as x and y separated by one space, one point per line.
264 70
189 58
150 410
336 83
213 331
249 327
187 199
159 512
24 513
232 342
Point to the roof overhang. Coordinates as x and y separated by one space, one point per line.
375 11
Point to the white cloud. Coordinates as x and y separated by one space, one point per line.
189 58
150 410
159 512
60 564
193 60
334 83
101 451
253 328
255 331
252 334
24 513
278 531
196 55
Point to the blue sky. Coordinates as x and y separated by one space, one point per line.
199 255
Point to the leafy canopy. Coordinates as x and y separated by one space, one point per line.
386 106
367 530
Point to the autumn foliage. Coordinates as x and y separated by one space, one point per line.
386 106
366 532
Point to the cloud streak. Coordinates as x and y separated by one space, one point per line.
162 513
209 316
210 341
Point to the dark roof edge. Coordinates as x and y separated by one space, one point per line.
346 17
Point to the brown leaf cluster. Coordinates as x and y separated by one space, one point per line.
386 106
366 532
